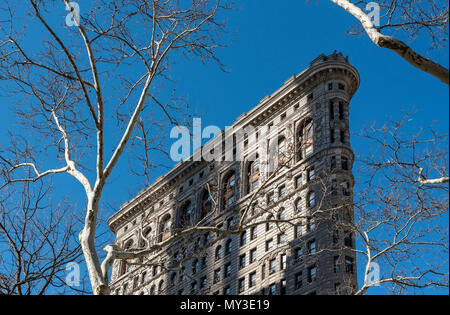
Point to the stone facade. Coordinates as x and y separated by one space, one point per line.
306 255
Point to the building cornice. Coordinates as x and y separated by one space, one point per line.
295 87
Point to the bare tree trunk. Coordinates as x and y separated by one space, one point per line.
87 240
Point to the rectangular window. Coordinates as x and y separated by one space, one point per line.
283 287
336 264
270 199
203 282
252 280
263 272
341 111
227 290
332 135
282 238
348 241
194 288
272 266
331 110
242 261
308 150
346 189
299 254
241 285
204 262
312 247
330 86
333 163
282 191
312 274
243 240
216 275
298 231
273 289
298 280
344 162
253 255
311 199
311 225
227 272
253 233
255 185
311 174
342 136
298 181
349 265
269 244
283 262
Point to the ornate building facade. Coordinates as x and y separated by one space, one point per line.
295 236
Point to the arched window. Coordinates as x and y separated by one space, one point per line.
299 205
186 215
128 244
305 139
165 228
229 190
206 204
155 271
144 277
152 290
218 252
161 287
148 234
253 175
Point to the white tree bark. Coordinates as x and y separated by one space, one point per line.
394 44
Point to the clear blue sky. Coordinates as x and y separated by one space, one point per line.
274 40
